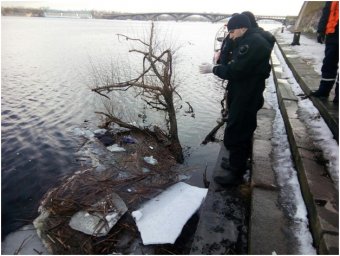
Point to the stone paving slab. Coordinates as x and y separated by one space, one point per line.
262 172
268 225
266 123
330 244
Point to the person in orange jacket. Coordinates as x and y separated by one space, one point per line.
328 33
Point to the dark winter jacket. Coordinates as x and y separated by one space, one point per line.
246 74
266 35
332 38
228 45
250 58
226 51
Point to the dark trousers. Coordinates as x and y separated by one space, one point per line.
245 98
329 69
239 154
239 131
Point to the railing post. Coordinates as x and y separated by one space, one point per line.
296 39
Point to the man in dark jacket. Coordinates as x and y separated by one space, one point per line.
328 33
227 45
246 74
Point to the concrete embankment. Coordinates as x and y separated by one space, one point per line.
267 221
318 189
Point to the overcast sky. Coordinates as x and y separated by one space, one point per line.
258 7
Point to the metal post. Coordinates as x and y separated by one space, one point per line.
296 39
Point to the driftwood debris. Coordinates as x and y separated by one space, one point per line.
220 123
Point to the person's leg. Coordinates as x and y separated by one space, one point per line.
336 97
328 70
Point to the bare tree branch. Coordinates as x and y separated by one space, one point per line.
132 39
154 84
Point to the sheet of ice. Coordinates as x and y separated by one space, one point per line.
24 241
161 220
98 224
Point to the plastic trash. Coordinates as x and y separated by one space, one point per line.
129 139
150 160
100 222
83 132
145 170
100 131
116 148
106 138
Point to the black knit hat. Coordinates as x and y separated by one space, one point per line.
238 21
251 18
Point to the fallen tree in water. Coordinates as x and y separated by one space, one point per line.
155 85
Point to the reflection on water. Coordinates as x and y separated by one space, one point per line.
45 95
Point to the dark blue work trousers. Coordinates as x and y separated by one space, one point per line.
329 68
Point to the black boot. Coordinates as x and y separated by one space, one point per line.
234 167
229 177
324 88
225 164
320 94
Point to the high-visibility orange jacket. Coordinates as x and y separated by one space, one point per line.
333 18
329 22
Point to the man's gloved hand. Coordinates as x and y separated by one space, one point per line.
206 68
321 38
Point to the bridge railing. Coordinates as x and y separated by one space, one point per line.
178 16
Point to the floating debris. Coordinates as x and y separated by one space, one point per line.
115 148
150 160
145 170
83 132
100 221
100 131
129 139
106 138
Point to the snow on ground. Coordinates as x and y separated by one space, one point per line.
290 192
317 128
308 49
161 220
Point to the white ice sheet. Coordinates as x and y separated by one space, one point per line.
160 220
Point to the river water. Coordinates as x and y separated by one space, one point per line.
45 77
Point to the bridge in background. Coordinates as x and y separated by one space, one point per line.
180 16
